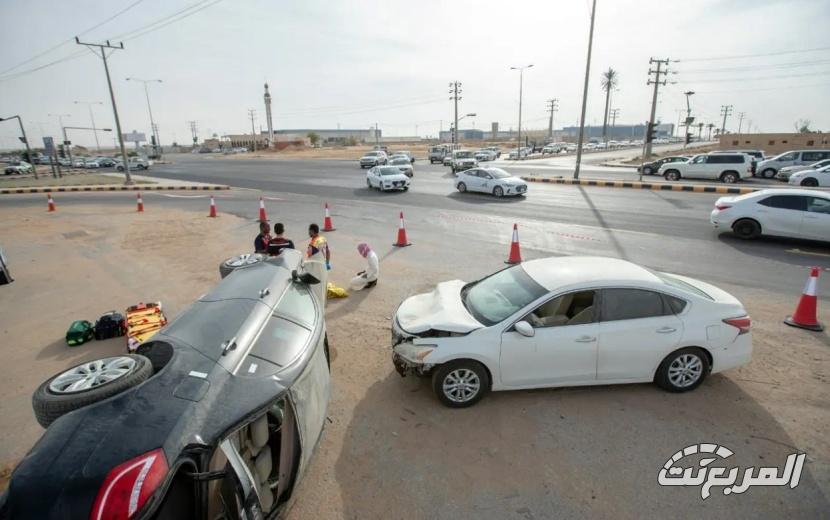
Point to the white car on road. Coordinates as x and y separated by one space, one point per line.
726 167
490 180
386 178
568 321
789 213
811 178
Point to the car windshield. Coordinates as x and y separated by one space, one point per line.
386 170
498 296
400 160
463 155
498 173
371 154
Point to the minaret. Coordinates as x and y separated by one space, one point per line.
268 116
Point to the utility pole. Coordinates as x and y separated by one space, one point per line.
725 110
25 141
193 132
656 81
153 128
614 113
519 138
377 137
689 119
127 178
92 119
699 131
252 115
66 142
553 106
741 116
455 90
585 93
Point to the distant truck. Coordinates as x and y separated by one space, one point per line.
438 152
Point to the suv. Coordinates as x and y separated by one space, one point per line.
373 158
769 168
757 155
217 415
463 160
728 168
18 167
136 163
437 153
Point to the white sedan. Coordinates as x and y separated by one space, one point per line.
811 178
387 178
792 213
569 321
490 180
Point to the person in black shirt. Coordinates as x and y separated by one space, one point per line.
279 242
261 241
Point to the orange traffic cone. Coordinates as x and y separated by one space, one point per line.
262 216
212 208
515 255
402 241
804 316
50 202
140 202
327 221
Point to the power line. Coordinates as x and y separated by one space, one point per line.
792 65
783 87
757 78
765 54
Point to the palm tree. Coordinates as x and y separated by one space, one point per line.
610 78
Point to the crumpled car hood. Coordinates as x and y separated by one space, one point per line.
440 309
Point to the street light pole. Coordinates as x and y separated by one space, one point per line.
25 141
153 130
92 118
519 136
585 93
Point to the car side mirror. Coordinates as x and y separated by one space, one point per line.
525 329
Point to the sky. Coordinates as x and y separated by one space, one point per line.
358 63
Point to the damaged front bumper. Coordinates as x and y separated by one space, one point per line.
406 355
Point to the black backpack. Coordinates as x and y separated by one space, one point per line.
110 325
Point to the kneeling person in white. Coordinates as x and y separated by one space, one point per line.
369 277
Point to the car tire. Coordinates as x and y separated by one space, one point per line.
406 188
768 173
238 262
729 177
747 229
647 170
809 182
368 184
461 187
49 405
682 370
471 372
672 175
498 191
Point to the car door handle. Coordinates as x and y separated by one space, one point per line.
666 330
585 339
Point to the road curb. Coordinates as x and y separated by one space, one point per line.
150 187
645 185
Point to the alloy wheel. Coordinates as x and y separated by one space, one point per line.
685 370
92 374
461 385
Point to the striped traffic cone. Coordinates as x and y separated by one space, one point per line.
262 216
212 213
515 256
140 202
402 240
327 226
804 316
50 203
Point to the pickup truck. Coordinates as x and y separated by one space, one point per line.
463 160
437 153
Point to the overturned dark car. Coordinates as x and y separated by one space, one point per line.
216 417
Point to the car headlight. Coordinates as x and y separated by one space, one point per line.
413 352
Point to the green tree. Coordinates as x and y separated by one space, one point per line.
610 79
314 138
802 126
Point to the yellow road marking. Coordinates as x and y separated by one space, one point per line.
800 252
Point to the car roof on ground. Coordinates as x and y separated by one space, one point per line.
553 273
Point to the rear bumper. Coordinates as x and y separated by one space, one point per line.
738 353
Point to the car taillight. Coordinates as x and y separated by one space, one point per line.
722 206
743 324
129 485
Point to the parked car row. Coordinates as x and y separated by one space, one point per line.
381 157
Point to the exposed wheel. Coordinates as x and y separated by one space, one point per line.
672 175
812 183
498 191
88 383
768 173
459 384
747 229
462 187
237 262
647 170
682 370
729 177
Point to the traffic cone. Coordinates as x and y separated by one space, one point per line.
262 216
402 241
327 221
50 202
140 202
515 255
804 316
212 207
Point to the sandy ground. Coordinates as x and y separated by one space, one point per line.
391 451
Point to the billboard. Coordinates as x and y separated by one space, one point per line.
134 137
